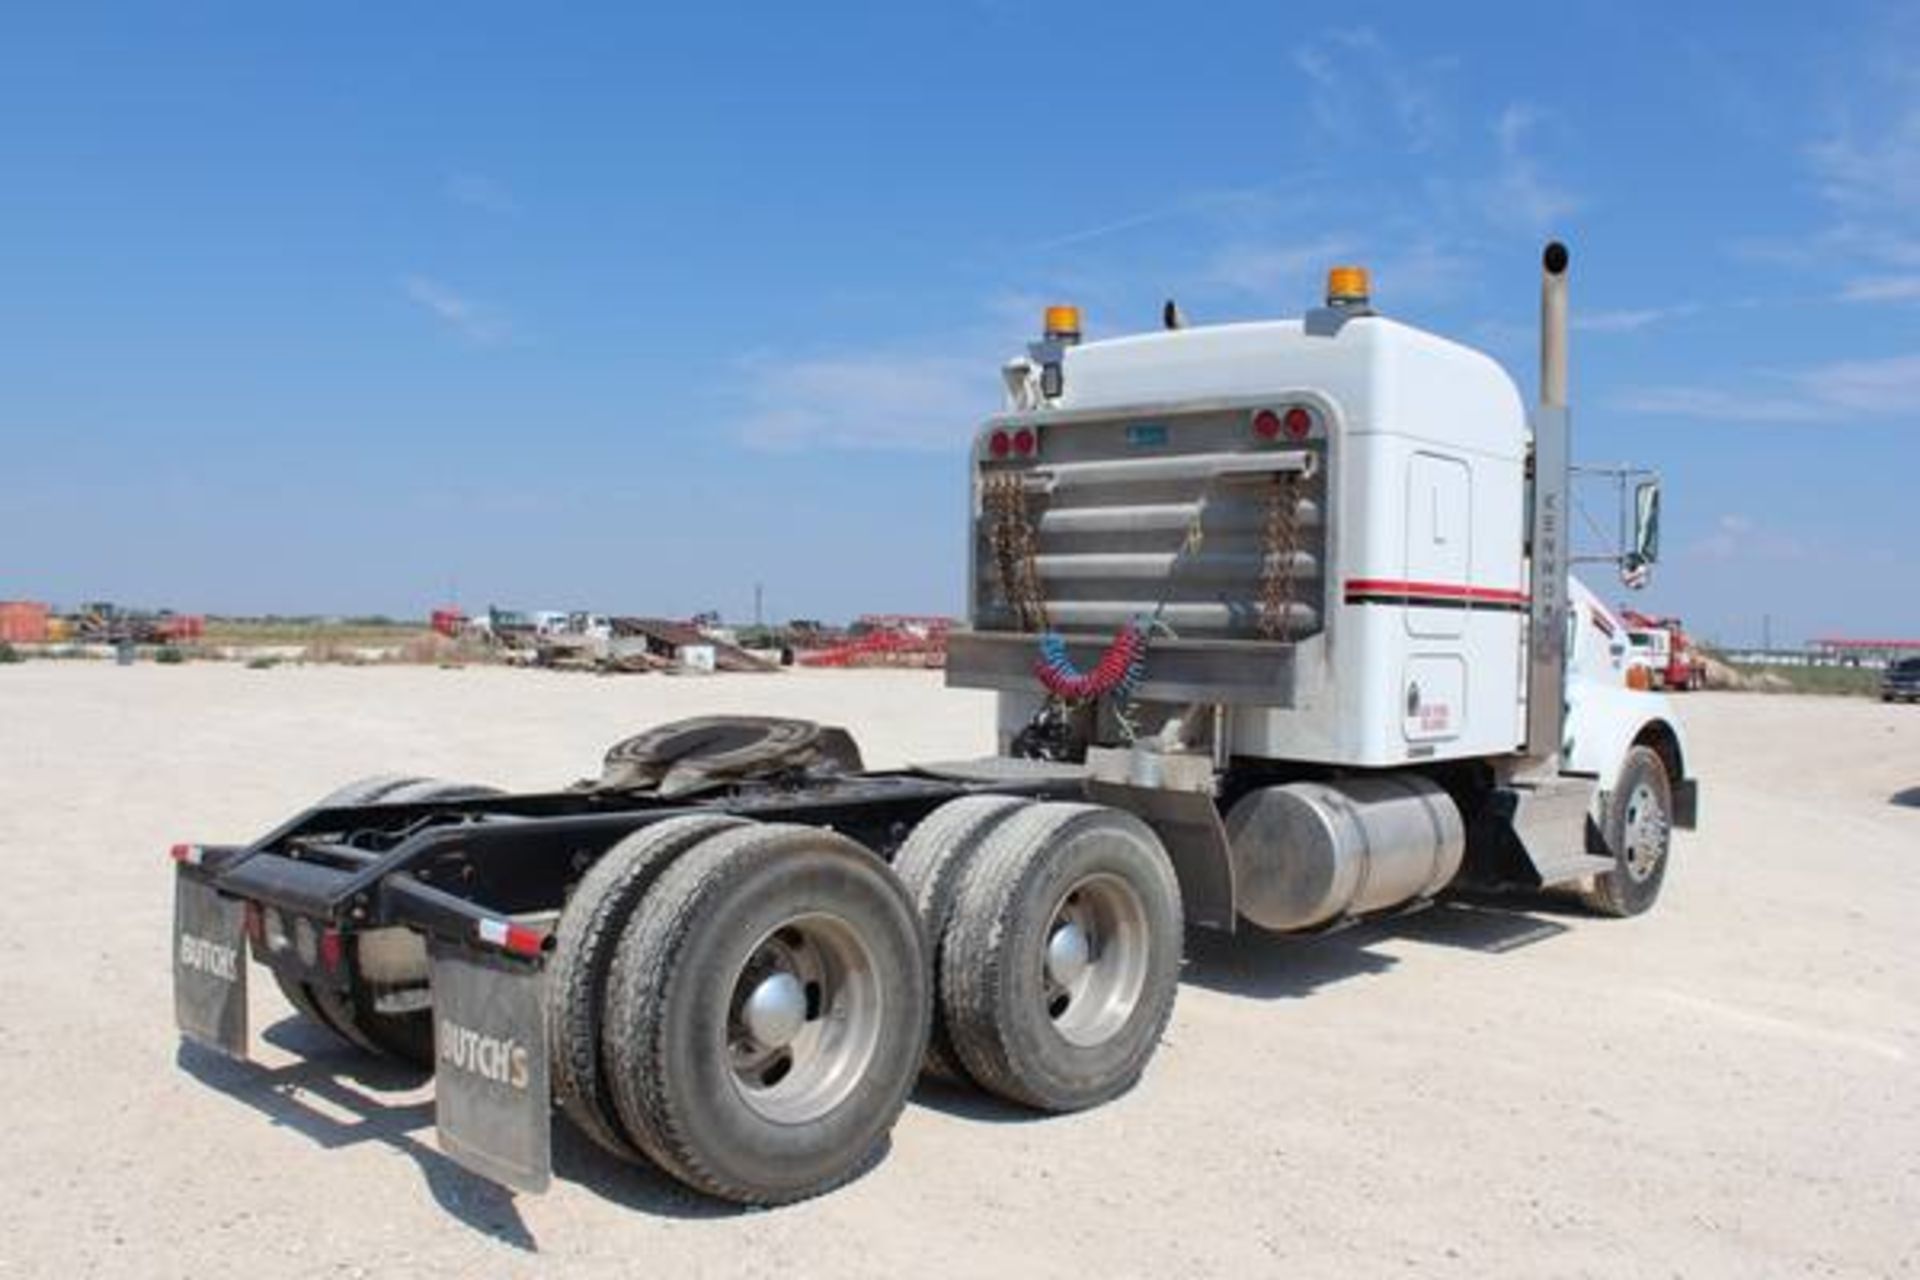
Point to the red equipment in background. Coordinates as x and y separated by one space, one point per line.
1670 658
23 621
888 640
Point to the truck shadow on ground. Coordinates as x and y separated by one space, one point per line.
1267 966
1908 799
337 1096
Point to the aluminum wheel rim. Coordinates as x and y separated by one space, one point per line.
1646 832
1089 1002
794 1068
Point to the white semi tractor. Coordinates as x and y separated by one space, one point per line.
1283 635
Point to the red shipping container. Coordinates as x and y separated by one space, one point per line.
23 622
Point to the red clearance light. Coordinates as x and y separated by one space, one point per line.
256 925
516 939
525 941
999 443
1024 442
1299 422
187 853
332 950
1266 424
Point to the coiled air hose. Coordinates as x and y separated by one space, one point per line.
1117 674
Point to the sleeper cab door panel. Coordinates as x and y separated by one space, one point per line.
1439 556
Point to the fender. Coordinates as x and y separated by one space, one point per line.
1605 722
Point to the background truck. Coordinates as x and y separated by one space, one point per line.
1283 636
1662 648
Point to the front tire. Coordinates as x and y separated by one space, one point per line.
1637 835
1063 958
767 1012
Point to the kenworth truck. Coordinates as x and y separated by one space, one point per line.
1281 626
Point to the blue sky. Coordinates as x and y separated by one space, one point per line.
347 309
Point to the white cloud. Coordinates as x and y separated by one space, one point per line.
1836 393
1277 270
1718 405
475 321
1738 537
1627 320
1325 100
1081 235
1520 197
478 191
1865 168
1886 386
1876 169
1883 289
878 402
1348 71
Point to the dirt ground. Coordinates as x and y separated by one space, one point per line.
1725 1087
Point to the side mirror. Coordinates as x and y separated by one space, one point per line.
1639 560
1646 521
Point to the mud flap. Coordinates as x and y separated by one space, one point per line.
209 965
491 1097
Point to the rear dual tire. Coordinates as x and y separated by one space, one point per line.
932 863
1060 959
589 932
766 1013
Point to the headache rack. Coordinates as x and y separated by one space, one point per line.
1181 517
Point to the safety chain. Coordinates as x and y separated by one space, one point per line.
1280 549
1011 539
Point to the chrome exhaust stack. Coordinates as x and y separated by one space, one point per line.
1547 549
1553 326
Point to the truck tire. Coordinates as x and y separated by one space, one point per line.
1636 834
355 1015
930 864
299 994
584 943
407 1036
428 790
366 790
767 1012
1063 956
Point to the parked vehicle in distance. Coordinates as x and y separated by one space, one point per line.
1900 682
1662 649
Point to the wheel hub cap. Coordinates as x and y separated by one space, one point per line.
1068 954
1646 833
776 1011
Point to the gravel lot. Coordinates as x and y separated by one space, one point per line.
1725 1087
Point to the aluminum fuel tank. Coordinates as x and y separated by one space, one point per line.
1308 853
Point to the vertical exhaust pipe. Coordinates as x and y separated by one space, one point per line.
1553 326
1547 549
